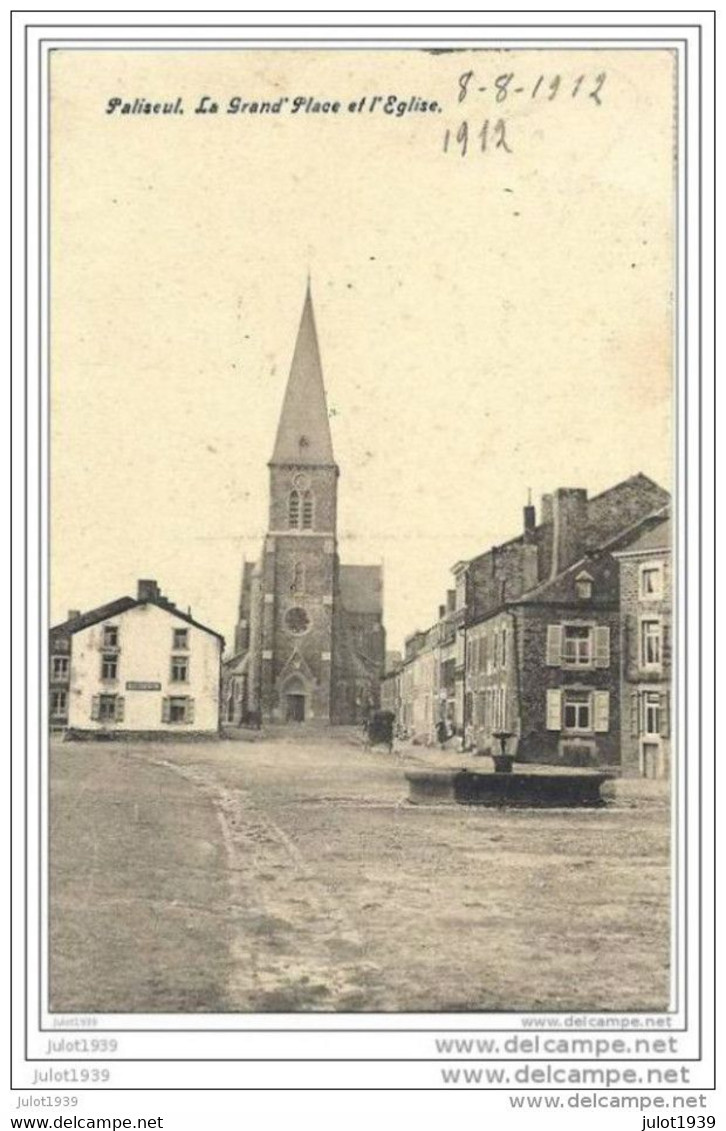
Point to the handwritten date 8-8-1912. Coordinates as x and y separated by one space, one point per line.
509 87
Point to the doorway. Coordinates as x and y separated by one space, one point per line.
651 760
295 708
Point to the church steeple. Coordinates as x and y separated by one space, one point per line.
303 434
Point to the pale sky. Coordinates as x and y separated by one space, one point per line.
487 323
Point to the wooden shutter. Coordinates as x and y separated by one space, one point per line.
601 711
601 634
634 714
665 720
96 707
554 646
554 707
120 705
190 711
165 710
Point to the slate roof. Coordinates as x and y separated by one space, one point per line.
361 588
122 605
558 588
303 434
656 536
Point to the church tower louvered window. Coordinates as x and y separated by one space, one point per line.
293 510
307 510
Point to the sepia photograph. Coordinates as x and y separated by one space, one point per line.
362 514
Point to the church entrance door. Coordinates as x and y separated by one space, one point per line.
296 708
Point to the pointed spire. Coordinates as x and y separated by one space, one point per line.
303 434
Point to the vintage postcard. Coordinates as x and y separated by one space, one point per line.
364 644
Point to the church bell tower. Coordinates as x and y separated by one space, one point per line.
298 571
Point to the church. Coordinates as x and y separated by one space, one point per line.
309 641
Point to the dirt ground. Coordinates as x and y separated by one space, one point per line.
291 874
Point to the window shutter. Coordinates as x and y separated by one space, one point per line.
601 711
665 721
120 705
634 714
554 646
96 707
165 710
190 711
554 706
602 646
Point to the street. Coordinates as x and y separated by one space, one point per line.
290 874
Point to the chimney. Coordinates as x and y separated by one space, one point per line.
147 590
530 519
545 509
73 614
530 565
569 518
451 600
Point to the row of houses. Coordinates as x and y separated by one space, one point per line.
556 643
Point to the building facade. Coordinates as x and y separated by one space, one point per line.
309 640
646 587
536 661
135 666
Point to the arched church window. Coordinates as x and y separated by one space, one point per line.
293 510
297 584
307 510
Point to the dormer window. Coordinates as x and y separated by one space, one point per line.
583 586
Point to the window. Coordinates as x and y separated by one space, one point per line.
297 620
109 666
307 510
297 584
651 582
180 669
107 708
60 667
293 510
180 638
110 636
577 645
177 710
652 713
58 704
504 648
650 643
583 586
576 711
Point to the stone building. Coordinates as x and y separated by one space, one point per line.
535 623
137 666
646 684
309 641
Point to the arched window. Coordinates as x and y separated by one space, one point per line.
297 584
293 510
307 510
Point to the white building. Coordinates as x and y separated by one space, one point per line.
136 666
